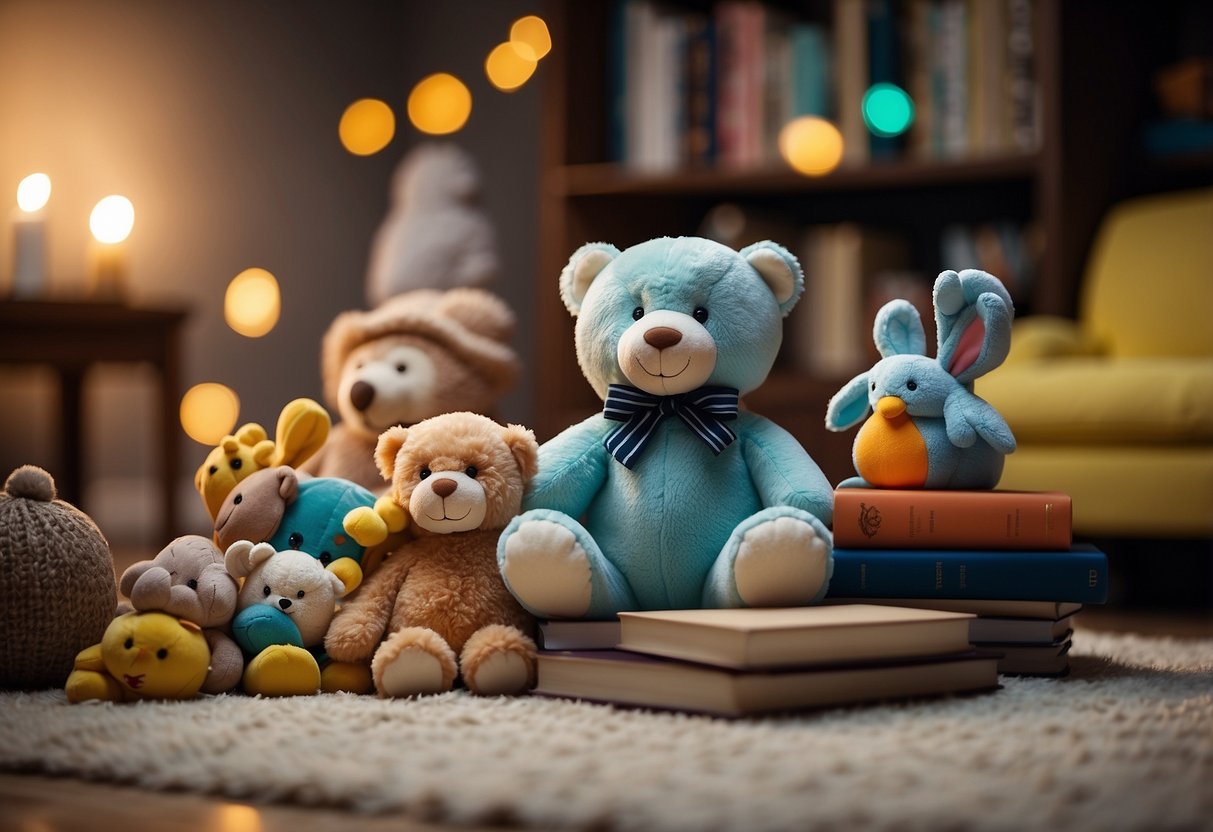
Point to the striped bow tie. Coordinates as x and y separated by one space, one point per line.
704 411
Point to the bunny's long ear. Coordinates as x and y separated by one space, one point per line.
973 314
849 406
898 330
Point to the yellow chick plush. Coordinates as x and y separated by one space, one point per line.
143 655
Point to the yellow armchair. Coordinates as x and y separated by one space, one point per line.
1116 407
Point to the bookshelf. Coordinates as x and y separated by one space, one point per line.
1092 60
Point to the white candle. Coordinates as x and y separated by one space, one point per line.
111 223
29 236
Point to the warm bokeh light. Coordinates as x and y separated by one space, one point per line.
532 31
236 817
112 219
888 110
33 192
367 126
811 145
440 104
510 65
209 412
252 302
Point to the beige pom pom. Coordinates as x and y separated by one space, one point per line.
31 482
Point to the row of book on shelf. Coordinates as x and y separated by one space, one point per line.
713 84
933 592
851 270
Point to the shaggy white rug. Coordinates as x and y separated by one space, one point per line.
1124 742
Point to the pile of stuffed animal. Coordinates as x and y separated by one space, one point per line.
413 547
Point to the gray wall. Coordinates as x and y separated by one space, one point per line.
218 119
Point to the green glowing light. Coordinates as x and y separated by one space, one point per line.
887 109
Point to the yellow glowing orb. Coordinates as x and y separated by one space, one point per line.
510 65
33 192
811 145
532 31
252 303
439 104
209 412
112 219
367 126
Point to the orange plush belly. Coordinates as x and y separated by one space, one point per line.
889 449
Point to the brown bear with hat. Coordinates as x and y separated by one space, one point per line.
417 355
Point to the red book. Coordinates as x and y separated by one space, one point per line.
887 518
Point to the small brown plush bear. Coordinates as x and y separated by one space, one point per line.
437 608
417 355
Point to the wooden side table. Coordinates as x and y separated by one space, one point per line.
71 336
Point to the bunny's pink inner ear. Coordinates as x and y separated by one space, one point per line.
969 348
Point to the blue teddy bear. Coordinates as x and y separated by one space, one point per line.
672 498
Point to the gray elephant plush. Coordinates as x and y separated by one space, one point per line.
187 579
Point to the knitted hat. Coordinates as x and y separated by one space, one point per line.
57 588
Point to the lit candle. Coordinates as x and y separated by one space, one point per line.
29 235
111 223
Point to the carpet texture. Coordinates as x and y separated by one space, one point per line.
1124 742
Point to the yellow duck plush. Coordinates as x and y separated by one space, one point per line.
303 428
142 655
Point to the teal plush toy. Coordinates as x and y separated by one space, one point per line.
331 519
927 428
671 497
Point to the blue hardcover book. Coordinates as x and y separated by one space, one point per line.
811 82
1079 575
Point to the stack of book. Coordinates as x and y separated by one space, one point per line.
736 662
1005 556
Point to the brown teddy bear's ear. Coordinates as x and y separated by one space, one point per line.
522 444
389 445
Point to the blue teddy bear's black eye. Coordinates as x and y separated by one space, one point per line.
700 314
295 540
911 385
873 385
637 313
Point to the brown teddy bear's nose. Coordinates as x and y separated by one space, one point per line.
444 487
361 395
661 337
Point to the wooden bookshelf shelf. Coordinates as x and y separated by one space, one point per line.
611 179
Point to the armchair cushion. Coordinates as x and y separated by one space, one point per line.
1096 401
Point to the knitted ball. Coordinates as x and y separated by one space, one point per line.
57 588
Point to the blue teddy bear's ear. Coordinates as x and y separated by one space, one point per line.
585 265
779 269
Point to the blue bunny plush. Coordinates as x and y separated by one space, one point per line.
671 498
927 428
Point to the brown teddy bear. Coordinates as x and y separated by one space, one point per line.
419 354
437 607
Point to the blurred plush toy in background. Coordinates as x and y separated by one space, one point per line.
187 580
333 520
435 235
437 608
285 605
417 355
303 427
672 498
143 655
927 428
57 589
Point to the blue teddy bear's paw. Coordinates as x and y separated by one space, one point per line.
780 557
546 569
